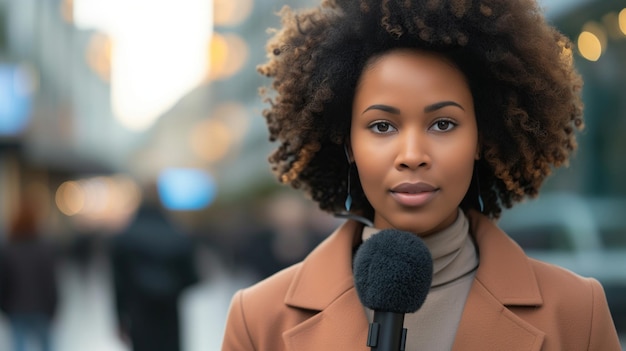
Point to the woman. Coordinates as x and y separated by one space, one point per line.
428 117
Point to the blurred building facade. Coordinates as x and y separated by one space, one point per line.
65 122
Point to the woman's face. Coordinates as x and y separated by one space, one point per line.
414 140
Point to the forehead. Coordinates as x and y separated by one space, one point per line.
412 74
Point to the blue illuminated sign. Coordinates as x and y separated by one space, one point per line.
15 99
186 189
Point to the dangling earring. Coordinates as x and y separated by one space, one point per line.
348 203
480 198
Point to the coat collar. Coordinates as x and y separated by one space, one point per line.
504 279
325 283
326 273
506 271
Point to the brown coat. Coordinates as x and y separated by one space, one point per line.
515 303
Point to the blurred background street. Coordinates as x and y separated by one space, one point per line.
132 143
86 320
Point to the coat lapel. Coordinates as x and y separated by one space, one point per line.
325 283
504 280
343 325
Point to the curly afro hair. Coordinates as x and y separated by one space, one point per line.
526 90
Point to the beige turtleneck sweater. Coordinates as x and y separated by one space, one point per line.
433 327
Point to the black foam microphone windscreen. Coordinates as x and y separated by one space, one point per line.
393 271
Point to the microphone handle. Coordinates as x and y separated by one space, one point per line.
386 332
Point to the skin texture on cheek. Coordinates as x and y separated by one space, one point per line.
414 140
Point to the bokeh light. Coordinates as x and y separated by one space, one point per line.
105 202
70 198
98 55
227 54
231 12
67 10
18 83
188 189
213 138
210 140
235 116
592 41
589 46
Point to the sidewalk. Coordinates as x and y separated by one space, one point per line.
86 319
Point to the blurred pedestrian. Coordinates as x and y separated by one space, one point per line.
282 237
28 281
153 263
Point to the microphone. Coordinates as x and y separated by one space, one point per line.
393 271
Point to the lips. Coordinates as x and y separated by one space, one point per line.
414 194
413 188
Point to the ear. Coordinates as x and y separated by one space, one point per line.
347 147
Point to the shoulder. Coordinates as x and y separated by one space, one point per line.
258 315
570 309
564 286
266 294
577 304
568 292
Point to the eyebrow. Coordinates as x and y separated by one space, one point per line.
427 109
384 108
440 105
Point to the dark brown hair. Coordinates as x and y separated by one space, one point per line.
525 88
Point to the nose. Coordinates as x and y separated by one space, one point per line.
413 151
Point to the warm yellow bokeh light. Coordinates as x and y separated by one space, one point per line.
231 12
622 21
589 46
67 10
70 198
105 202
210 140
599 31
127 194
235 116
97 195
218 54
237 54
228 54
98 55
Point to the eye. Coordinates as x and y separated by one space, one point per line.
443 125
382 127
